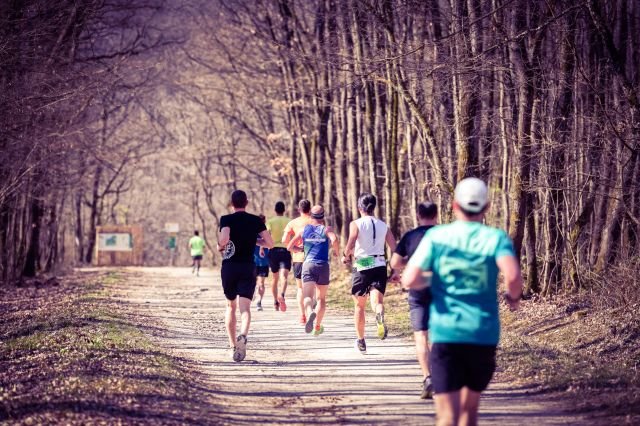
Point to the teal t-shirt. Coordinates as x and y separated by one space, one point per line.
197 245
462 257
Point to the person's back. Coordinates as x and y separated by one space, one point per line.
369 247
316 244
244 228
197 245
276 226
463 261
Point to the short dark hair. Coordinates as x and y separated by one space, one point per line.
427 210
196 232
239 199
304 206
279 207
367 202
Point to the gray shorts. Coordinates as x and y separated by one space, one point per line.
315 273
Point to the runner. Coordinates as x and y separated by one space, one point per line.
367 237
419 300
465 258
261 259
279 257
291 230
316 238
196 245
238 235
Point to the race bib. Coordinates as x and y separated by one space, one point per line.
364 263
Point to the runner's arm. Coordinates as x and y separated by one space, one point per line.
412 278
397 261
265 240
287 234
351 241
294 245
334 243
510 269
223 237
391 240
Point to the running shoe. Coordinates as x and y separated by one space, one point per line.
382 328
276 306
308 328
259 306
240 351
427 388
283 303
318 330
361 346
303 319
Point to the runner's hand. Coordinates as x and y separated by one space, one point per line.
395 276
512 303
346 260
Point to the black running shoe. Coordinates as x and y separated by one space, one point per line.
361 346
427 389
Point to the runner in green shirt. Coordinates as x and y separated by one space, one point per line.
196 245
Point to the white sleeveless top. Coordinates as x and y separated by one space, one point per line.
369 250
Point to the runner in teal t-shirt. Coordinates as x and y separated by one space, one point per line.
196 245
464 258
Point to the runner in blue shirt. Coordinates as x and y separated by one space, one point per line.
316 239
261 259
464 258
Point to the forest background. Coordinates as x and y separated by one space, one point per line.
150 111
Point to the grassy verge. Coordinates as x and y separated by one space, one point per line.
69 354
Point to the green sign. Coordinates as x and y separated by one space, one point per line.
172 242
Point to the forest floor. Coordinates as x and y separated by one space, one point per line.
147 345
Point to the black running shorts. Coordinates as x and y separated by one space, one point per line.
279 258
262 271
419 304
297 270
362 282
238 279
197 257
456 365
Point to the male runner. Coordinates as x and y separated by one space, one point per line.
419 300
261 259
465 258
367 237
238 235
279 257
196 245
316 238
292 229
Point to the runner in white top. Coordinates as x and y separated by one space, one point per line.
367 238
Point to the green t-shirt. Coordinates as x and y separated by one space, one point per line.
197 245
462 256
275 226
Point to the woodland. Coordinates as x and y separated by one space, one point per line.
148 111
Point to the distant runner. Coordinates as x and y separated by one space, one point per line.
279 257
292 229
465 258
196 245
419 300
237 239
367 237
316 238
261 259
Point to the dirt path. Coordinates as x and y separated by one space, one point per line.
290 377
